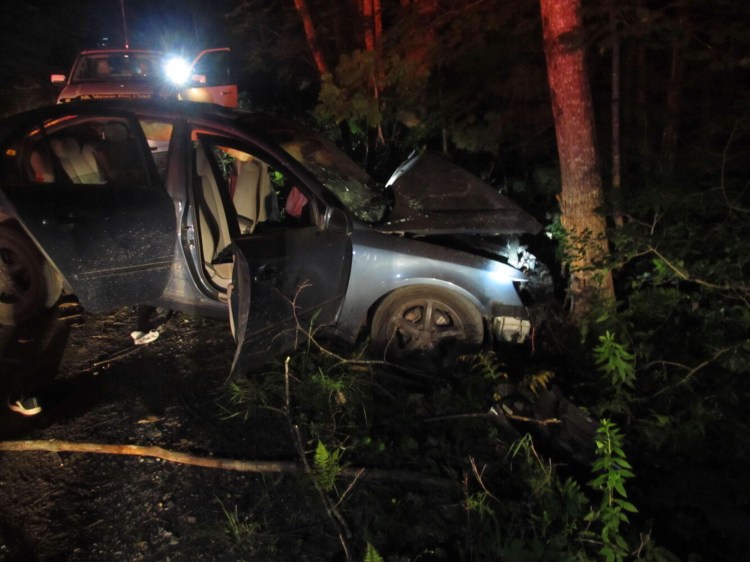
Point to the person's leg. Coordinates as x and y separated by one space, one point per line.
144 332
24 405
145 313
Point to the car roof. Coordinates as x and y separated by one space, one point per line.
166 107
118 51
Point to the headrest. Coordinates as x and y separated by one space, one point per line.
102 66
115 131
65 146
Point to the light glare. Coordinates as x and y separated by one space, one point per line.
177 70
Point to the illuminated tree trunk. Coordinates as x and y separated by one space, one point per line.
377 16
312 39
373 23
581 191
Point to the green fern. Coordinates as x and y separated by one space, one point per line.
326 466
487 367
371 555
538 381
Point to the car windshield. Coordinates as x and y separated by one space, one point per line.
338 173
103 67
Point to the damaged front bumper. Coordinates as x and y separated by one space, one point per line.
510 329
510 324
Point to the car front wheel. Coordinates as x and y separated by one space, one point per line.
28 284
426 327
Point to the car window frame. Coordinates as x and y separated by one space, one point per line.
246 144
36 135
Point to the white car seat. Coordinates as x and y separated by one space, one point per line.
252 194
78 163
213 225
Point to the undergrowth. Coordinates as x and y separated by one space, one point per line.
454 461
593 448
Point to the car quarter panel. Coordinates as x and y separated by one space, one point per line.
382 263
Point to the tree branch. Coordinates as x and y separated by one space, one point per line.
687 277
286 467
55 446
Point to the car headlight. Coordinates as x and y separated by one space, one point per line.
177 70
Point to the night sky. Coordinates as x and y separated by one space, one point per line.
41 34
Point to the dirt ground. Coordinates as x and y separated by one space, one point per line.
97 387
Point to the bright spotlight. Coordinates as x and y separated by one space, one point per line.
177 70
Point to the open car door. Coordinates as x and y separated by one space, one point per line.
289 282
282 254
86 189
211 79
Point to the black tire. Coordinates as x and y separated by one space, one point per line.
28 285
426 327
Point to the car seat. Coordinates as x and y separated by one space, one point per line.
254 198
118 155
102 68
79 163
40 168
213 226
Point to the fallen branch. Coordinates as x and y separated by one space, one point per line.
491 413
288 467
54 446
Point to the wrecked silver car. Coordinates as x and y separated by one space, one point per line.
209 210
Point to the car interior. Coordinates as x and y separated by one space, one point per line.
97 152
252 194
77 161
213 226
260 196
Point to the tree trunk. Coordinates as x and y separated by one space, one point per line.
674 91
377 14
581 191
372 20
368 24
615 105
312 39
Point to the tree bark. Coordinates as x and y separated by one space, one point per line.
581 188
372 23
312 39
377 15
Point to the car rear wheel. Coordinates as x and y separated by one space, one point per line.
426 327
28 284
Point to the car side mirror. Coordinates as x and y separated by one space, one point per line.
336 220
57 78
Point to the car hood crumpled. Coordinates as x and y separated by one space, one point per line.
434 196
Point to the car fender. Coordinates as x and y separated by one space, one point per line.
383 263
440 283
